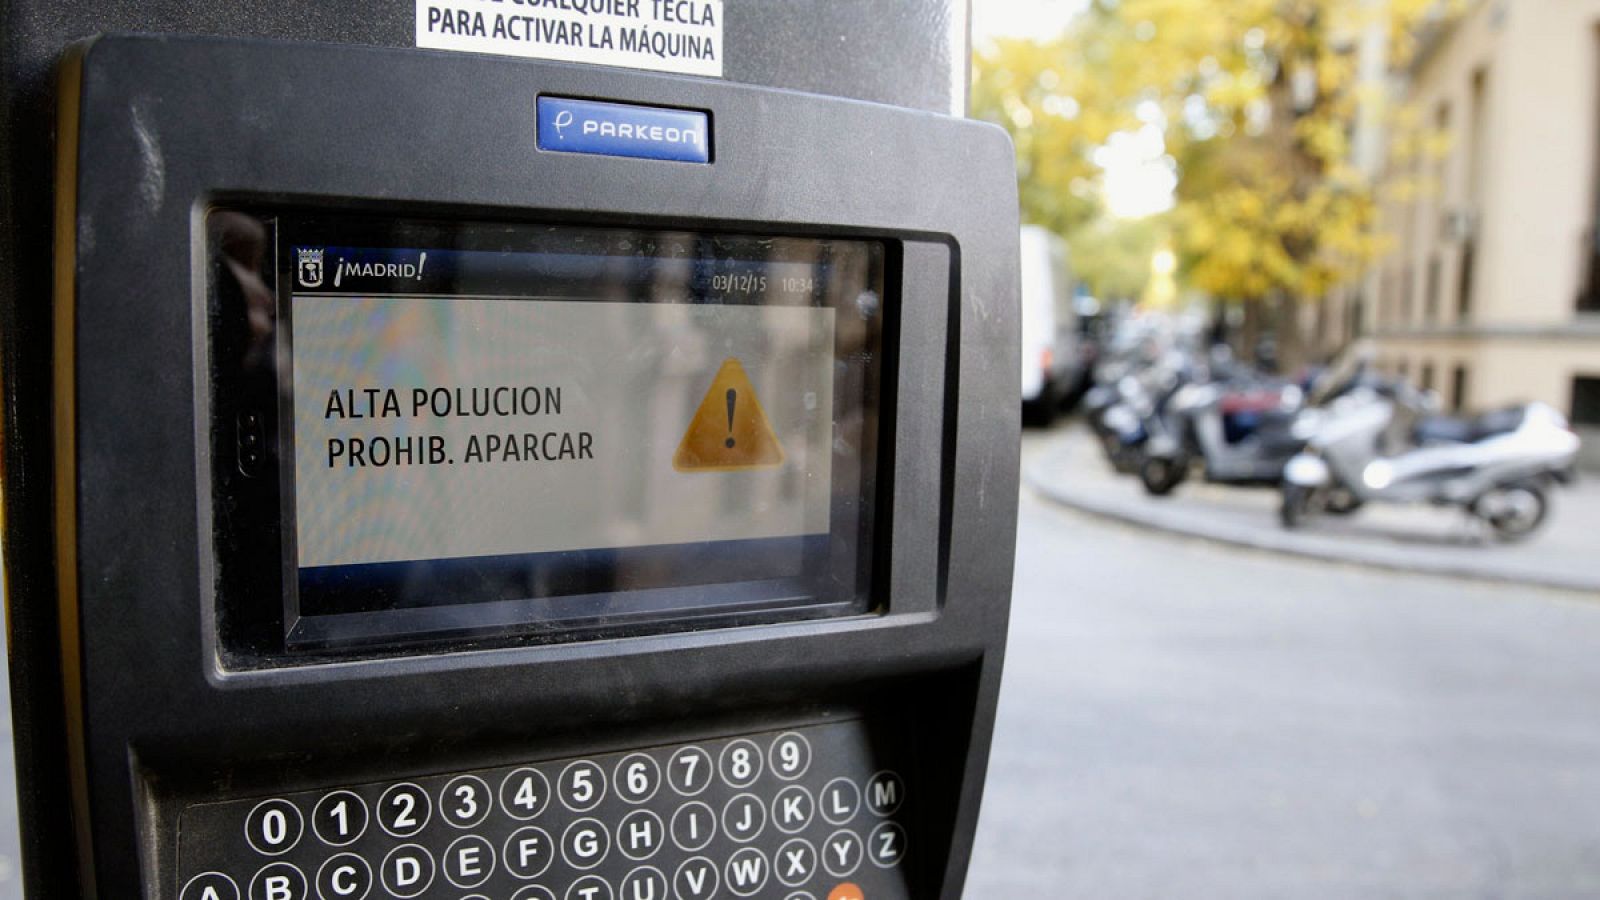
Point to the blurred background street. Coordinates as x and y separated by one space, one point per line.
1183 719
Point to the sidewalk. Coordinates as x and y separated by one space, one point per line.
1067 467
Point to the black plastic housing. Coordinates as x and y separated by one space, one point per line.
156 131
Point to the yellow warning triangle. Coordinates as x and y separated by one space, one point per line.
730 431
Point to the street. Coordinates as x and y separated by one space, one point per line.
1180 719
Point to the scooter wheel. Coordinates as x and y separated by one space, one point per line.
1342 502
1513 511
1160 475
1296 505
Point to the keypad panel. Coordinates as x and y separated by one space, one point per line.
809 813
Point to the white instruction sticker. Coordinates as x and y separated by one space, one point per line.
666 35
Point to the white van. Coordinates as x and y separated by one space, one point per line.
1051 367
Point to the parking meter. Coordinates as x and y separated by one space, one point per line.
478 477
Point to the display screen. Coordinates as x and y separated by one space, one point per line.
537 425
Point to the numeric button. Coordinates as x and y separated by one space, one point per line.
273 827
279 881
524 794
404 809
582 785
528 852
464 802
407 871
740 763
790 755
339 818
637 778
468 861
345 876
689 770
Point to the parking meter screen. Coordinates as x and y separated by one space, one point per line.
568 423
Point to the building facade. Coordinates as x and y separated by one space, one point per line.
1492 292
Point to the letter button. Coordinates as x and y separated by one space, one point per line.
746 871
468 861
582 785
696 879
273 827
796 862
790 755
528 852
640 834
464 802
689 770
407 871
345 876
800 895
840 801
792 808
339 818
404 809
644 883
533 892
279 881
740 763
693 826
884 793
210 886
524 793
590 887
743 818
841 853
887 844
585 843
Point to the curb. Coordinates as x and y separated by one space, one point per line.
1394 559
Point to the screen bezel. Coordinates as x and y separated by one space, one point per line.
245 625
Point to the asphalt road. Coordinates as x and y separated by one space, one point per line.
1184 720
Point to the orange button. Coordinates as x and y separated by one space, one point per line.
846 891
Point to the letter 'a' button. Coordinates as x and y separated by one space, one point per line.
210 886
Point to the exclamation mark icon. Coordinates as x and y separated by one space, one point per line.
733 397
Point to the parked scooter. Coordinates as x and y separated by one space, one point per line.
1239 433
1498 466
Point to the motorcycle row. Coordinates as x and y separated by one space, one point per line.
1331 443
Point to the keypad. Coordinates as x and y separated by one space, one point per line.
816 811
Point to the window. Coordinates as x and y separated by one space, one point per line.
1430 298
1427 377
1586 400
1458 389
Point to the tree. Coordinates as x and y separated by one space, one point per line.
1258 100
1112 256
